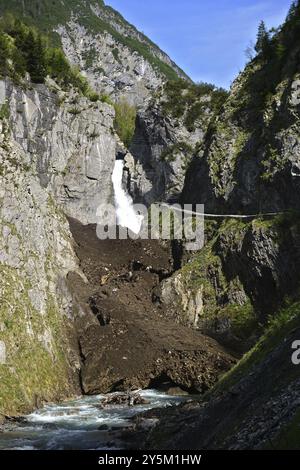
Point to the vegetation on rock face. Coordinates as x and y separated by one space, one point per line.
36 368
170 153
256 131
219 292
125 116
23 49
276 60
4 111
233 288
193 102
276 330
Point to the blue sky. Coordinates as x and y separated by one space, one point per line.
206 38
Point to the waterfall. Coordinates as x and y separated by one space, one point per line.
126 215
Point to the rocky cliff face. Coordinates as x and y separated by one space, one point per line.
160 155
39 359
68 139
249 162
169 131
123 63
58 151
242 276
57 155
103 60
246 275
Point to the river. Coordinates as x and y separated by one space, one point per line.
74 424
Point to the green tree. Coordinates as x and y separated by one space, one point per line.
292 11
36 57
125 121
19 64
294 15
4 54
58 65
263 39
29 51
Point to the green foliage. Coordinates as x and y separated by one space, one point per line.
273 163
4 111
34 49
75 111
93 96
169 154
23 49
125 121
106 99
115 53
278 328
194 102
263 39
31 369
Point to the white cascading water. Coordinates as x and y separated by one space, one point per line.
126 215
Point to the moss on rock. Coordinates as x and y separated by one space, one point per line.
36 368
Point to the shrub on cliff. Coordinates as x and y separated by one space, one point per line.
125 121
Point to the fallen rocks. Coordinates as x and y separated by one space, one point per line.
129 343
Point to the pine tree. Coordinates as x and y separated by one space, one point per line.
292 11
263 39
4 54
35 52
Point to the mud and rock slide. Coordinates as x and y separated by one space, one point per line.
125 339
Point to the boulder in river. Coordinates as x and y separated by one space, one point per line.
124 399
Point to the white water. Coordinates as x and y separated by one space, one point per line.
126 215
75 424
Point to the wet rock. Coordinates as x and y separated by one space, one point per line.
124 399
104 427
176 391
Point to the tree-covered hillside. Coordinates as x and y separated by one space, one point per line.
24 49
